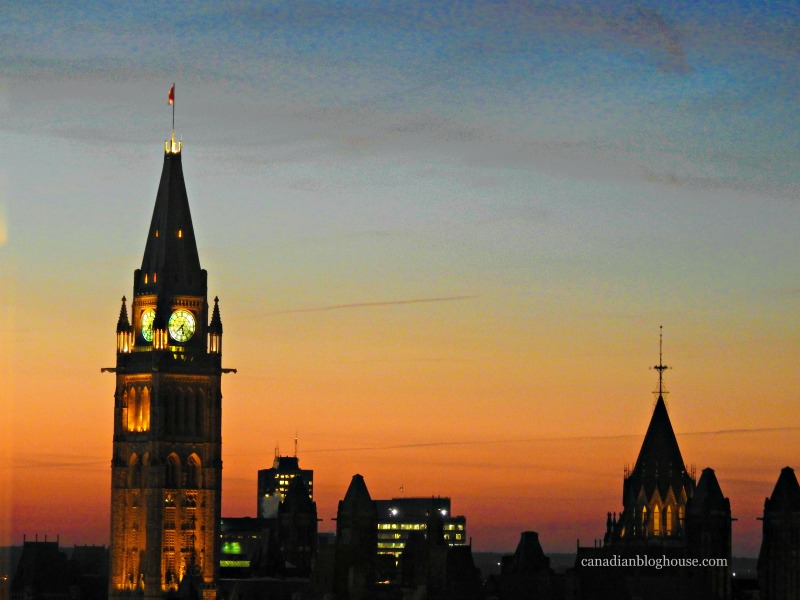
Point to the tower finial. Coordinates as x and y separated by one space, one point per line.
171 146
661 367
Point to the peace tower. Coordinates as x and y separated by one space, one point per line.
166 469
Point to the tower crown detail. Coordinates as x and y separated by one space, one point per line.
170 264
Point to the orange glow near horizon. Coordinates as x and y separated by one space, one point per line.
521 437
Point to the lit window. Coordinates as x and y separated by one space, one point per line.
668 520
180 233
656 520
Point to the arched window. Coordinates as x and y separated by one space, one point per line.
134 472
193 472
173 473
656 520
668 520
189 425
180 417
644 518
199 411
144 423
133 409
169 420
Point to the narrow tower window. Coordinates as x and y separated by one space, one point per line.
656 520
668 520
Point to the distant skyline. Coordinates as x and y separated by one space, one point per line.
443 235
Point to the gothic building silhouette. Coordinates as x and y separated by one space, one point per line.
665 513
166 466
779 558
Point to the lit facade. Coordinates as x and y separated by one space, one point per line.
398 518
274 483
167 464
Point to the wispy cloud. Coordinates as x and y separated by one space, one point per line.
371 304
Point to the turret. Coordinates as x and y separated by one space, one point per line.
124 331
215 331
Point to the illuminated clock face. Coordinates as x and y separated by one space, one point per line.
181 325
148 317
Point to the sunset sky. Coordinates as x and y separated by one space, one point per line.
443 235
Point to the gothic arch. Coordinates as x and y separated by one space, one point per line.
189 424
668 522
193 472
199 412
172 475
144 420
656 520
180 411
169 420
133 408
134 471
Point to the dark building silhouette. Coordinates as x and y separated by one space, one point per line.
429 566
297 530
525 575
779 558
399 517
708 533
282 546
241 539
273 483
356 543
42 572
167 463
45 573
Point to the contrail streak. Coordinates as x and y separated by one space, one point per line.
370 304
545 439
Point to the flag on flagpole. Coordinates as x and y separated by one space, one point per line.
171 97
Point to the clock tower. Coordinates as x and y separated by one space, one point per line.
166 468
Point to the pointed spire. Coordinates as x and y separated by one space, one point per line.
215 330
124 331
786 495
123 325
171 265
708 494
357 497
660 465
216 322
297 497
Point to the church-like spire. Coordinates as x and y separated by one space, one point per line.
170 264
122 323
124 330
660 464
659 480
215 330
